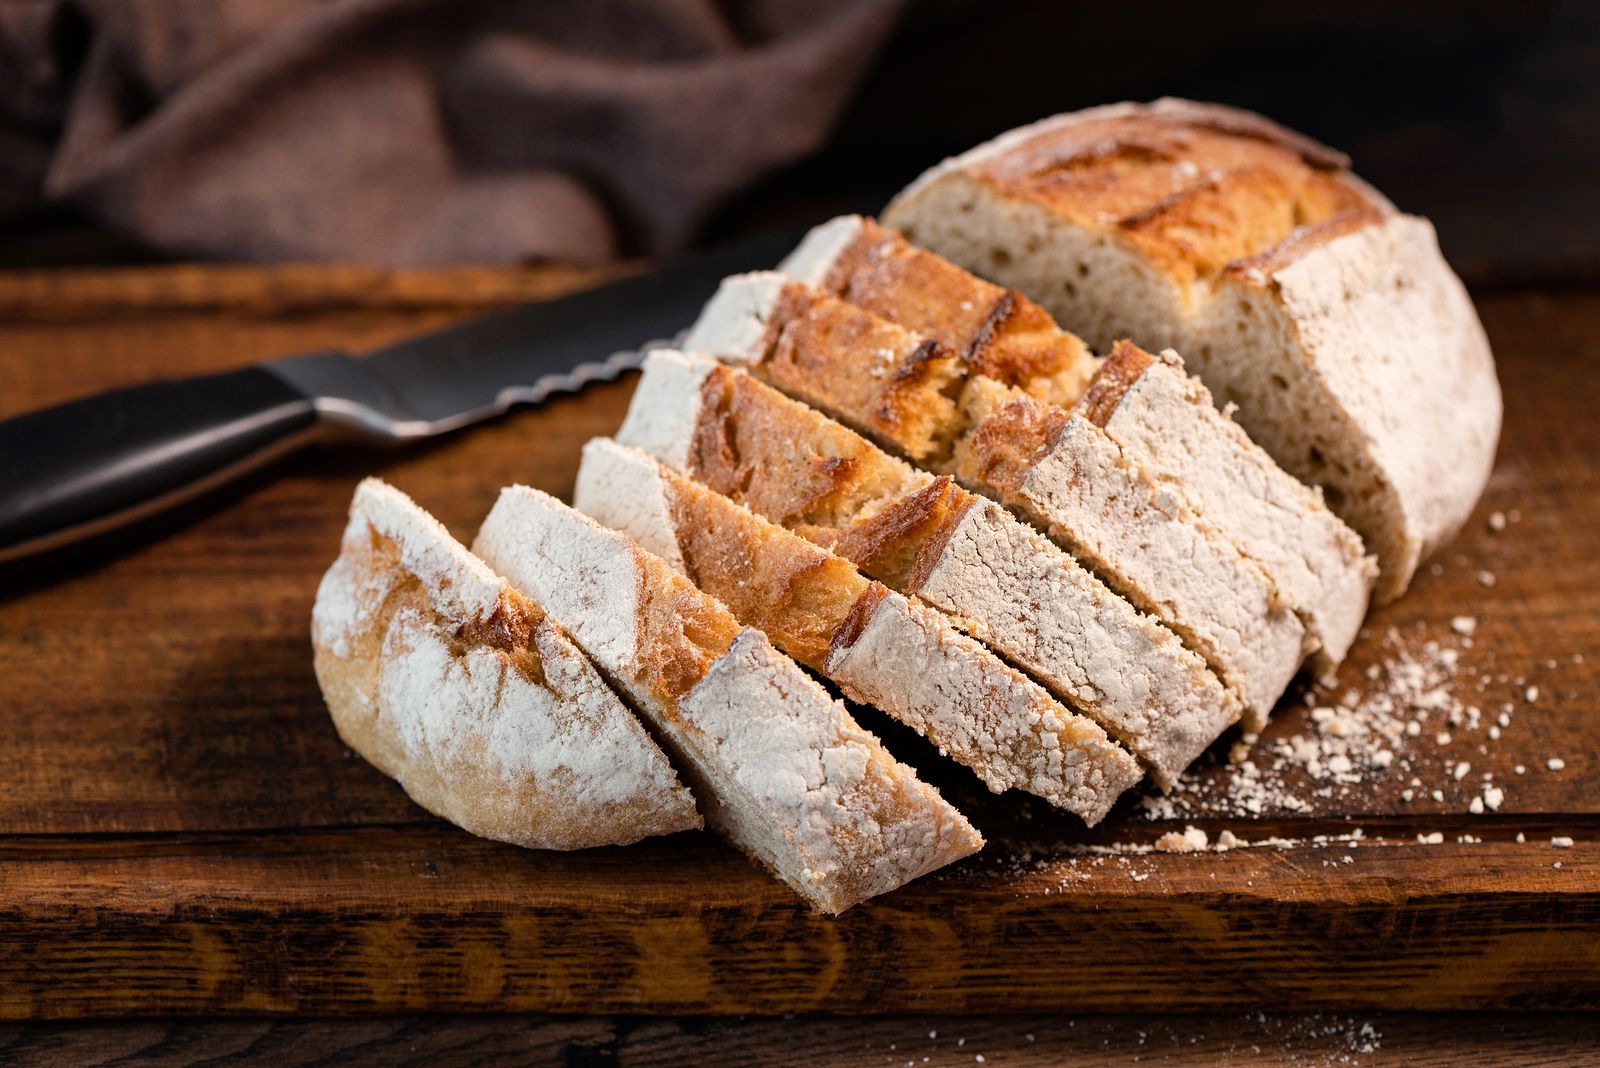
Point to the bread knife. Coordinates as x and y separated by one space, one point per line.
92 465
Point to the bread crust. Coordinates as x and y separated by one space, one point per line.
455 685
1194 187
879 647
1397 349
996 332
812 345
780 767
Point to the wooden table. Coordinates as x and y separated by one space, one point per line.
182 833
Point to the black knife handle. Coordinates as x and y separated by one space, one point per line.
90 465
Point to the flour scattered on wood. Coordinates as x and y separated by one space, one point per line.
1364 735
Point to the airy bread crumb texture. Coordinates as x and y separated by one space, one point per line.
1167 422
447 680
1071 479
780 767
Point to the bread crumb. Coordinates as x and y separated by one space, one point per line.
1561 841
1493 797
1464 625
1531 694
1435 838
1190 840
1486 578
1521 837
1555 763
1497 521
1462 769
1475 806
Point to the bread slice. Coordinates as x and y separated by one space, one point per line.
1167 421
779 766
1093 500
1163 420
1292 288
928 537
879 647
1069 477
451 682
996 332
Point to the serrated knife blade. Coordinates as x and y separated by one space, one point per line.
82 468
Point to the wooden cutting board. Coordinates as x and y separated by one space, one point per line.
182 832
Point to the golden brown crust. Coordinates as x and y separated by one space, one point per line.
796 592
902 541
1257 269
681 631
1009 432
819 346
1120 370
997 332
819 480
1194 188
1241 123
860 614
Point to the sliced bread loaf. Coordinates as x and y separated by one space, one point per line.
1162 419
1152 548
1293 289
779 766
457 686
927 537
877 646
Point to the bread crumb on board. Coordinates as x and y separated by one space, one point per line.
1422 690
1421 711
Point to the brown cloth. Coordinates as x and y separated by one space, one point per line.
416 131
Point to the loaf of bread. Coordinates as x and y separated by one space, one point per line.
878 647
1292 288
779 766
911 474
463 690
929 538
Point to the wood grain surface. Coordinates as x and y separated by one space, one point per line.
482 1041
182 832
